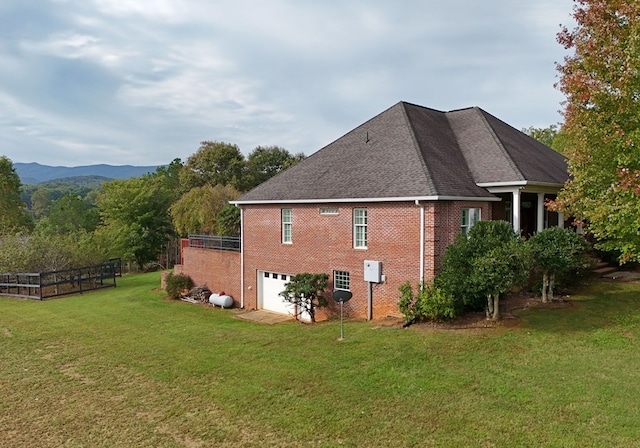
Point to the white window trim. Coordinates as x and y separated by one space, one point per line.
357 226
287 225
474 215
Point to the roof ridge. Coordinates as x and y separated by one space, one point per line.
501 146
428 175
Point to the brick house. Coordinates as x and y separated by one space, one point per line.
388 198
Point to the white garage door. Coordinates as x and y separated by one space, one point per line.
270 285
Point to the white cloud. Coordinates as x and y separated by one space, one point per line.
169 11
147 81
70 45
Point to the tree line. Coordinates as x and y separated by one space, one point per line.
600 137
138 220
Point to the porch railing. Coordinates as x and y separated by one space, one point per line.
215 242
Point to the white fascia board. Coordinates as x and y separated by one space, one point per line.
361 200
519 183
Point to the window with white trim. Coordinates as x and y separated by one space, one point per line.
328 211
287 226
360 228
469 217
341 280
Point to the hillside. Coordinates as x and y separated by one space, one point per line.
32 173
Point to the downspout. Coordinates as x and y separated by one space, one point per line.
370 301
421 240
241 258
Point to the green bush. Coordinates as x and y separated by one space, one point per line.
431 303
177 283
558 252
456 275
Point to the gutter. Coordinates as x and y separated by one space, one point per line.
361 200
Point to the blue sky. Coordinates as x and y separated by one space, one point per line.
128 82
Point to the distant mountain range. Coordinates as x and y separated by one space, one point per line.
33 173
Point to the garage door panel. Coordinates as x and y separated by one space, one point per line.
271 285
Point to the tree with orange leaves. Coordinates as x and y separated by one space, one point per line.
601 81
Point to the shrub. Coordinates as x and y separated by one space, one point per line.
557 251
306 292
497 271
178 283
431 303
465 275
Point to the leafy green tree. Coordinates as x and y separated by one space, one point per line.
602 122
170 176
456 274
214 163
12 253
551 136
264 162
67 215
197 210
13 216
82 186
498 270
545 136
135 216
41 202
306 292
228 221
42 253
555 251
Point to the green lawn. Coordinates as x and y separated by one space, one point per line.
123 367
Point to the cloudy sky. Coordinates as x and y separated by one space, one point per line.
128 82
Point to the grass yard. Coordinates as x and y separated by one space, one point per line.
124 367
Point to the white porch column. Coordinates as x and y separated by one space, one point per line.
540 213
516 211
560 220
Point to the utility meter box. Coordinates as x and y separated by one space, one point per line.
372 271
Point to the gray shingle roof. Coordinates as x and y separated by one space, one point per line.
412 152
496 152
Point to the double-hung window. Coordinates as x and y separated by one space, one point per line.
287 226
360 228
469 217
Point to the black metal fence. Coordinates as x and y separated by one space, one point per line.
215 242
44 285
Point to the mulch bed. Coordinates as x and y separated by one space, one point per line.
509 306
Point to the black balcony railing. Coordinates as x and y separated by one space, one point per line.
215 242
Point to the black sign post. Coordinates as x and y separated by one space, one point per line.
341 296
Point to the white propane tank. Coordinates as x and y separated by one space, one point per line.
222 300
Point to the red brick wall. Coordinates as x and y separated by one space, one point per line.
218 269
324 243
447 217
